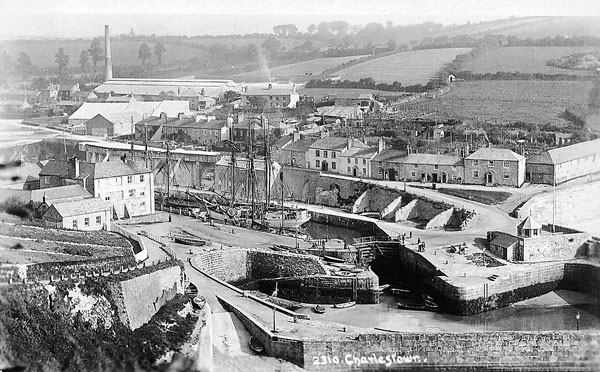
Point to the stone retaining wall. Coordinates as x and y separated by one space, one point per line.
265 264
139 298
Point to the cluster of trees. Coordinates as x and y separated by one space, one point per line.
369 83
502 75
469 41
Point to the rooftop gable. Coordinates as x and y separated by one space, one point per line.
488 153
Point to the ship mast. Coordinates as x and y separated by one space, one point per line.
251 175
267 163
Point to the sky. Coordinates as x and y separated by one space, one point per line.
83 18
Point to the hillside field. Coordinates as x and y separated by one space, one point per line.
541 102
409 68
526 59
294 72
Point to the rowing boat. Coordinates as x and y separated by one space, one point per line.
256 345
319 309
344 305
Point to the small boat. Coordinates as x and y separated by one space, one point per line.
383 287
199 302
319 309
333 259
189 240
342 266
401 292
428 301
343 273
344 305
411 306
256 345
354 270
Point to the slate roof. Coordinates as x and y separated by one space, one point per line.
283 141
80 207
116 169
268 92
430 159
389 155
141 87
576 151
172 108
61 192
300 145
487 153
505 241
530 224
337 111
330 143
212 124
360 152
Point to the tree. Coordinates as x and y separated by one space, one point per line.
312 28
84 61
144 53
159 49
285 30
96 52
272 45
40 83
62 60
24 65
252 50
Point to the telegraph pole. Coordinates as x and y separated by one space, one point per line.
282 210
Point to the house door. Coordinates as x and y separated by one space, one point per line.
489 178
324 166
354 172
444 178
434 178
392 174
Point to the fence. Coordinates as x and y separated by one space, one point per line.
162 241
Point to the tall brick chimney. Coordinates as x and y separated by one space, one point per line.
109 72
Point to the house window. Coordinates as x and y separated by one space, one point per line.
348 169
142 192
142 206
141 178
333 165
355 161
490 163
47 180
436 167
413 175
453 168
317 163
380 171
74 224
118 180
364 161
505 164
415 166
506 176
475 174
333 155
122 194
475 163
131 193
318 153
325 153
364 170
454 177
348 160
107 198
86 221
98 220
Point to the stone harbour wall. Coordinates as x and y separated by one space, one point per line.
554 350
326 289
229 265
264 264
554 247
